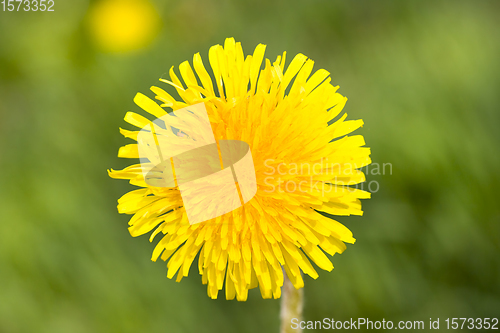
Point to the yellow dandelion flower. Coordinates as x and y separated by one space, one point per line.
123 25
304 161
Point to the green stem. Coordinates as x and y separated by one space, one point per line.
291 306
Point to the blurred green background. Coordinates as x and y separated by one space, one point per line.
423 75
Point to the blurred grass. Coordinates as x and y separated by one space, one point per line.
423 75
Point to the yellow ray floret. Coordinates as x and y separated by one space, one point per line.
305 163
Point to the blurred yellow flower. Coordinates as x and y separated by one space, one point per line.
289 121
123 25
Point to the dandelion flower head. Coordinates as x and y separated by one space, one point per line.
305 160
